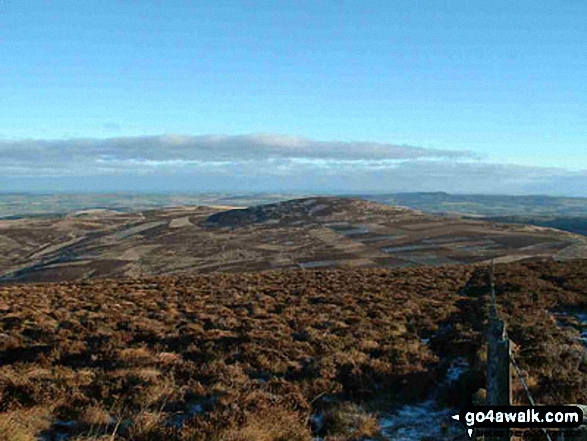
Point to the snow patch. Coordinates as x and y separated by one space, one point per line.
179 419
456 369
418 421
414 422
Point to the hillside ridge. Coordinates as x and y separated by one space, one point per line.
312 232
303 210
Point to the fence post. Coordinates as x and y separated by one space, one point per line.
499 391
499 374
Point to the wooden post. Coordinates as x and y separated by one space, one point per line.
499 391
499 374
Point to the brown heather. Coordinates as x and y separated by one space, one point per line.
253 356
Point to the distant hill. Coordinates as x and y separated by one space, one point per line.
305 211
573 224
23 205
568 214
18 205
317 232
485 205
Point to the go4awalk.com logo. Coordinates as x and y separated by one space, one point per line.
520 417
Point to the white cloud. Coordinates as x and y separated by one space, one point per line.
264 162
86 154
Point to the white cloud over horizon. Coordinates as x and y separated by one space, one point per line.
265 162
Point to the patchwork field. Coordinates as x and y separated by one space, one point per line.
303 233
279 355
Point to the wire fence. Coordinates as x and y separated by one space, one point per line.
495 315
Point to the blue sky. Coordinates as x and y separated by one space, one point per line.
94 93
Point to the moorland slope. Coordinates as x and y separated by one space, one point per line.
303 233
280 354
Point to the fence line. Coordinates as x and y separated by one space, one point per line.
500 360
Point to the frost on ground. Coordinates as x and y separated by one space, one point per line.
425 420
582 318
456 369
419 421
